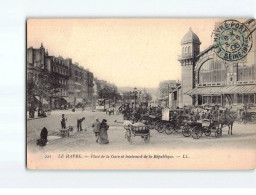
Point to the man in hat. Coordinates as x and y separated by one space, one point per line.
79 124
63 121
96 128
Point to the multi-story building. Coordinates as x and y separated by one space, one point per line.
90 85
71 83
80 85
35 64
164 89
59 72
206 80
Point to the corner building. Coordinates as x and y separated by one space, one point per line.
206 81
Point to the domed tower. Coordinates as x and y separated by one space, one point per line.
190 44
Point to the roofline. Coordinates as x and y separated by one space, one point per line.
205 51
185 42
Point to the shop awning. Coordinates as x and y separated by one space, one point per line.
67 99
79 100
43 101
222 90
38 98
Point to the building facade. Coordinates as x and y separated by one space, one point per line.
164 89
59 71
206 80
74 84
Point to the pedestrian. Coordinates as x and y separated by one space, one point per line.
79 124
30 112
63 121
103 135
96 129
43 137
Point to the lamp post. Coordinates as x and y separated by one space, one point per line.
135 92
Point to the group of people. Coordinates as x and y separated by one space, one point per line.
40 112
63 122
99 128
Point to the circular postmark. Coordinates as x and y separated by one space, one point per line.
232 40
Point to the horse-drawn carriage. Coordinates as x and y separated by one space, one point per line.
171 121
137 129
246 115
207 126
198 128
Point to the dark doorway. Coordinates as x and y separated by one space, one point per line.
200 100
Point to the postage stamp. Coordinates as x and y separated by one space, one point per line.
232 40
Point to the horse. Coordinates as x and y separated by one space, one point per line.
227 119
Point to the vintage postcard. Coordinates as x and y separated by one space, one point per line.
141 94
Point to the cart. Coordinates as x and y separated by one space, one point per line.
209 126
66 132
137 129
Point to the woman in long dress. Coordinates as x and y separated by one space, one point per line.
103 135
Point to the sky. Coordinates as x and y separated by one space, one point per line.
125 52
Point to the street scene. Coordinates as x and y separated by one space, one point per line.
244 135
125 85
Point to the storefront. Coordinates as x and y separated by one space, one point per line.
227 95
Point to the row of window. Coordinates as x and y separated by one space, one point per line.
236 99
216 72
246 73
63 92
212 72
60 70
186 49
63 81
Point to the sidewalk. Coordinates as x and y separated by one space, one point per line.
60 112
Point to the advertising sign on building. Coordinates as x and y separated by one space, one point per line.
165 114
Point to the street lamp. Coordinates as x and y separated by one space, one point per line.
135 94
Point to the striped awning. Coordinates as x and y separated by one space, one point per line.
66 99
222 90
42 100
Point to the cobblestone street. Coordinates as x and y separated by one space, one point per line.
244 135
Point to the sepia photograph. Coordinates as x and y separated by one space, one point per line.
141 93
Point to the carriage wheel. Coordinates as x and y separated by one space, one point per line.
218 132
157 126
186 132
168 131
146 139
196 132
176 129
161 130
207 131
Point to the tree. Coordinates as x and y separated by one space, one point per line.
46 85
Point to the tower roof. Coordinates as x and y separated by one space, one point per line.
190 37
